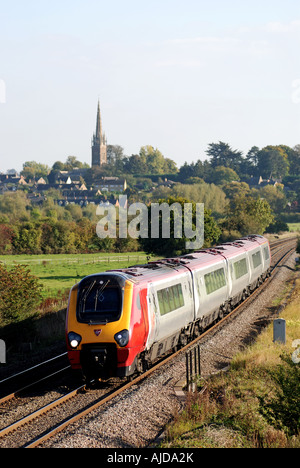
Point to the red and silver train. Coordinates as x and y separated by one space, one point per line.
120 321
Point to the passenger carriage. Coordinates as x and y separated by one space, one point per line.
120 321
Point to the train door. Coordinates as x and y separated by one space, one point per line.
153 315
229 276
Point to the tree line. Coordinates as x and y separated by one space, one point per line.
221 182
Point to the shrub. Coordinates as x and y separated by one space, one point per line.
283 410
20 293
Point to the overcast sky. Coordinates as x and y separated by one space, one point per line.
173 74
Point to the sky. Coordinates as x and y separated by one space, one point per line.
174 74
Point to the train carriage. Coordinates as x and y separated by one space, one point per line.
120 321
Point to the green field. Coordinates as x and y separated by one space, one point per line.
294 227
59 273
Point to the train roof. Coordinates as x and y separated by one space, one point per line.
195 260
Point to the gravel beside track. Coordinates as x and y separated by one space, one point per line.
137 417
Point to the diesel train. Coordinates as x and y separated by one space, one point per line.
121 321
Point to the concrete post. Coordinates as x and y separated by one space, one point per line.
279 331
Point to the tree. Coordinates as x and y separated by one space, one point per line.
34 170
275 197
134 164
272 162
149 161
249 163
248 215
222 154
223 175
14 206
7 235
115 159
294 160
177 246
71 163
27 238
236 188
277 226
211 195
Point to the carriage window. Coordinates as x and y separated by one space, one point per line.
170 299
240 268
257 260
215 280
267 253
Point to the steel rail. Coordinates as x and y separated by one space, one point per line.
142 377
7 430
134 381
17 392
273 245
32 368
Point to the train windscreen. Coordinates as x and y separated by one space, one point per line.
100 299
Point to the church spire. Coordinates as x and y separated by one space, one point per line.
99 144
99 123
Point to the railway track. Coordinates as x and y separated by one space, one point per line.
15 384
32 430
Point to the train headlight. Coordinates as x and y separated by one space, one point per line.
122 338
74 339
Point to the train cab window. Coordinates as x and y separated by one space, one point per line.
256 259
170 299
240 268
100 299
215 281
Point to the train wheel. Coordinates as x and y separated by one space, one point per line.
244 295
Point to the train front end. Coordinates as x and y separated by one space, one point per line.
105 332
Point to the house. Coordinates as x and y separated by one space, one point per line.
41 181
81 194
259 182
111 184
36 198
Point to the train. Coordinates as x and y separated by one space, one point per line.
121 321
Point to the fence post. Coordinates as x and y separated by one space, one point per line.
187 372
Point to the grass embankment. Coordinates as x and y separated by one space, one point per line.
256 404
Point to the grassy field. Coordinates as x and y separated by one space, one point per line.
294 227
58 273
256 404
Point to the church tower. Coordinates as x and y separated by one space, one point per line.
99 144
